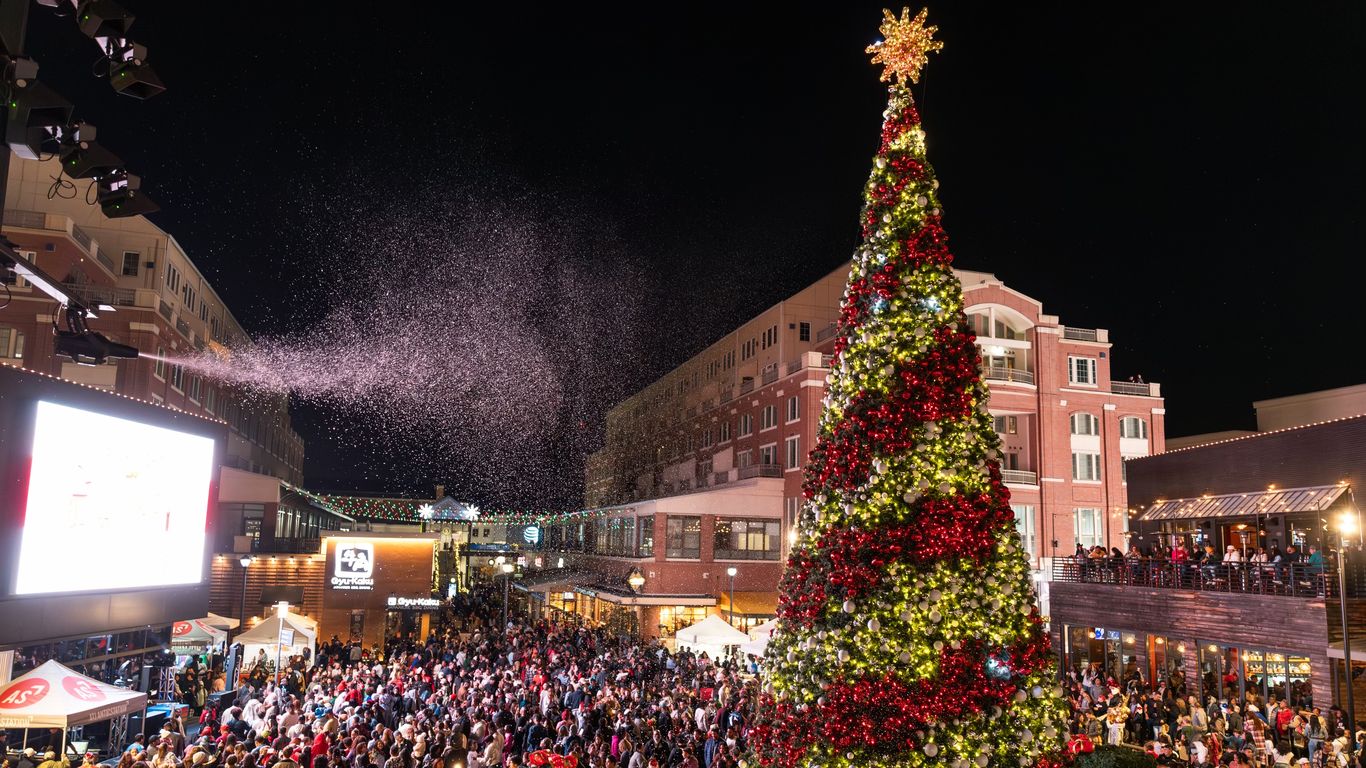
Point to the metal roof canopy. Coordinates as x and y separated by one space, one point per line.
1318 498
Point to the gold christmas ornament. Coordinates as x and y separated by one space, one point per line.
905 45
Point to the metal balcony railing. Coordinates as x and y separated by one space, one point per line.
1020 477
1282 579
183 327
825 332
103 294
1079 334
1004 373
747 386
770 375
165 310
727 394
759 470
720 477
1131 388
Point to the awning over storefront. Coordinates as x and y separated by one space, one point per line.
545 583
750 603
1317 498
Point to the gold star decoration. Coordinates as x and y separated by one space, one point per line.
905 45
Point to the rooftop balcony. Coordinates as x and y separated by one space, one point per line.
1282 580
1019 477
1134 388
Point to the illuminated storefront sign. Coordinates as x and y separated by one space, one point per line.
354 566
414 603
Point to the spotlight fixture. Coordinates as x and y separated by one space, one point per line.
119 196
131 75
82 156
33 111
103 18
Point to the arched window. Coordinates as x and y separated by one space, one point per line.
1085 424
1132 426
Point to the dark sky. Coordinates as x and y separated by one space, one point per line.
1189 177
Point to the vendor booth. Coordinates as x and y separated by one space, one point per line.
53 696
221 622
196 636
285 636
712 636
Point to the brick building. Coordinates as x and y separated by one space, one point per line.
729 430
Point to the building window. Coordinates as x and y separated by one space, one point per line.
187 293
746 539
770 337
172 278
193 390
177 376
1085 424
1024 525
130 263
746 424
744 458
1085 465
804 331
794 454
768 418
793 409
684 537
791 506
645 536
208 399
1007 425
768 455
1090 528
708 438
11 343
159 369
1133 427
725 430
1081 370
748 349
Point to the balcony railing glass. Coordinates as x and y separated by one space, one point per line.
1282 579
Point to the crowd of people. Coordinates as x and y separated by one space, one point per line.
1174 725
476 695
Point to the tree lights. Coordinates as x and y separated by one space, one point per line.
908 632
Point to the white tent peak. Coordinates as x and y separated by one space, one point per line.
56 696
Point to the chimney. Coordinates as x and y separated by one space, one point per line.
440 491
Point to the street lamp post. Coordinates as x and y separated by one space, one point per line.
245 560
1347 526
507 581
731 573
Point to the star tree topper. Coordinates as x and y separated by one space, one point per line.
905 45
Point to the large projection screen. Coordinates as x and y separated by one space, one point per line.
112 504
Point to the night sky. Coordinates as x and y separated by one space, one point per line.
1189 177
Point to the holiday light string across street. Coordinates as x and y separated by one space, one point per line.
908 633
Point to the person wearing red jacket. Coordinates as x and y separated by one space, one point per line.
1080 745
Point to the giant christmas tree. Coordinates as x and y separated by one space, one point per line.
908 629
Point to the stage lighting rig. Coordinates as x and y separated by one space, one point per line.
106 22
87 347
33 111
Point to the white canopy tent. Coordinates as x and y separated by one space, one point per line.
221 622
196 636
758 638
53 696
712 636
266 635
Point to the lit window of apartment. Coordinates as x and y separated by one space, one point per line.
735 539
746 424
1085 465
768 455
1089 527
1133 427
1024 525
725 430
11 343
130 263
645 536
683 537
1085 424
768 418
804 331
794 453
793 409
1081 370
1007 425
